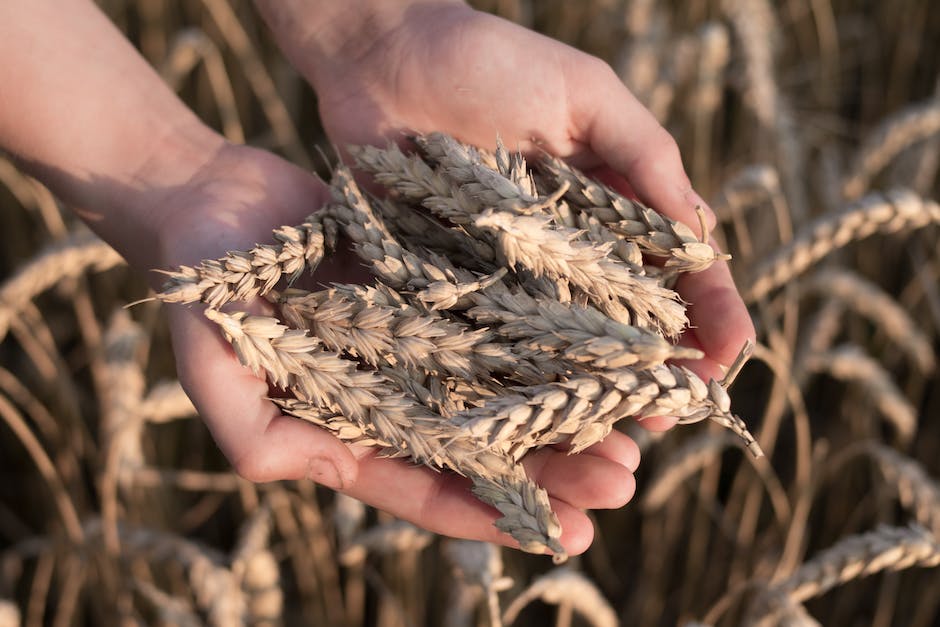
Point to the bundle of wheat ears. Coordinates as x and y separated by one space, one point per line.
513 307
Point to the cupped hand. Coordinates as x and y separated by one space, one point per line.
234 201
441 66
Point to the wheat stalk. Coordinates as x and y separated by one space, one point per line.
688 459
478 570
213 584
386 539
255 567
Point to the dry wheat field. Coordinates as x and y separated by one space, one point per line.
813 129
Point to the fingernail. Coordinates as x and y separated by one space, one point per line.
324 471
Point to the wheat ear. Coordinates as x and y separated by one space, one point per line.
916 490
877 213
868 299
652 232
886 548
364 406
71 257
851 363
243 275
913 124
377 326
585 408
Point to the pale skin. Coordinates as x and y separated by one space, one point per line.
94 122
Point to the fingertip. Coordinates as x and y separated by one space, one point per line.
657 424
577 529
717 313
619 448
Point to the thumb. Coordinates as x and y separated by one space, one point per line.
623 134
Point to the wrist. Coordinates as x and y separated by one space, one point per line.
326 40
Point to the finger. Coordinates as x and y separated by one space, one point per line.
443 503
657 424
583 481
719 318
616 447
259 442
626 136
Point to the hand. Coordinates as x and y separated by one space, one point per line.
426 66
231 203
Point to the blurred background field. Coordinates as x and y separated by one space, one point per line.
813 129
